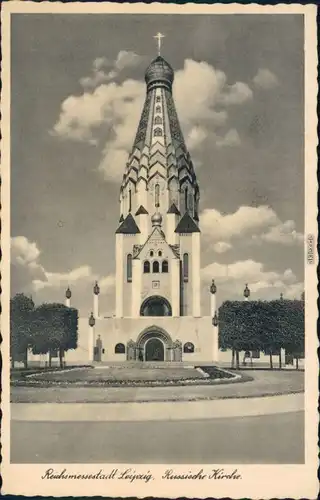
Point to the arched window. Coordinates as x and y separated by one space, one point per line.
157 195
186 199
129 267
155 267
165 266
188 347
119 349
158 132
151 253
159 253
158 120
158 109
158 98
146 267
130 200
185 267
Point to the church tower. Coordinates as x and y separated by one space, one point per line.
158 237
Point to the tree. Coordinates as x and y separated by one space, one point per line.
55 328
239 327
21 309
293 327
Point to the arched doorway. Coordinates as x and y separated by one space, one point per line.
154 350
155 306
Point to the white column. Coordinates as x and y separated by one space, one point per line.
213 304
91 342
214 314
174 270
136 287
68 302
96 305
119 275
196 275
215 349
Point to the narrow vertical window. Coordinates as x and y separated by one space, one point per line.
146 267
165 266
185 267
130 200
155 266
186 199
157 195
129 268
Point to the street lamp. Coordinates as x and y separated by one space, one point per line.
92 321
68 293
215 320
96 289
246 292
213 287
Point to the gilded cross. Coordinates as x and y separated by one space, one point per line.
159 36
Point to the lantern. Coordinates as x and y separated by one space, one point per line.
213 287
215 320
246 292
96 289
68 293
92 321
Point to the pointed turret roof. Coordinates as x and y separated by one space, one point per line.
141 210
187 225
128 226
173 210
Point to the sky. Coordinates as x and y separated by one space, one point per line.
77 90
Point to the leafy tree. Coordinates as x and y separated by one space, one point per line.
21 309
55 328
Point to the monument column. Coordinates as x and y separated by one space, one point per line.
91 339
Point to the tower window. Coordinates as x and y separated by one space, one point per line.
159 253
130 200
155 267
151 253
158 132
165 266
158 120
146 267
186 199
158 109
157 195
158 98
129 268
185 267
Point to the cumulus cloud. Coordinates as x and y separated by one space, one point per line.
29 276
263 283
265 79
231 139
117 108
104 70
258 224
221 247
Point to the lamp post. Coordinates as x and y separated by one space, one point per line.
96 292
246 292
68 297
215 324
92 323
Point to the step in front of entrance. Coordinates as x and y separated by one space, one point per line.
144 364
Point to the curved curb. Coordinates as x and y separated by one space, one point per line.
156 411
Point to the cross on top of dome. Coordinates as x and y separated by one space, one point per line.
159 37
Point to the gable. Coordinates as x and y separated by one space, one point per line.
156 242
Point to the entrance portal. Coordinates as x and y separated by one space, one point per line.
154 350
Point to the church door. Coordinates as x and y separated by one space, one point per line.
154 350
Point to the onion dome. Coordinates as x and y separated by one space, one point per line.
96 289
156 219
68 293
159 72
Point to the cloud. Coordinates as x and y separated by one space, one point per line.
265 79
263 284
29 276
116 108
104 70
221 247
258 224
231 139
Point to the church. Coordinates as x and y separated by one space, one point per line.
157 243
